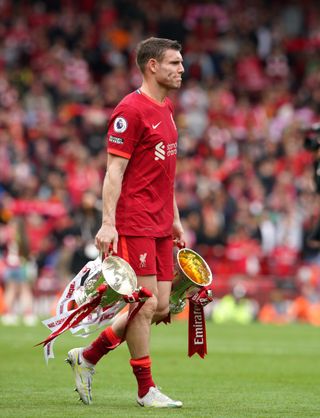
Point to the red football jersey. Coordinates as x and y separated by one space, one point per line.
144 131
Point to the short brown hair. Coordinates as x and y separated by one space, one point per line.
154 48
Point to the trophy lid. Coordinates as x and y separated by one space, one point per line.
119 275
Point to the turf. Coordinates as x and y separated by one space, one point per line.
250 371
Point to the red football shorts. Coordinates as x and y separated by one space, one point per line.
148 256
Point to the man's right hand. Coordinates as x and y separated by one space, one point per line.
107 235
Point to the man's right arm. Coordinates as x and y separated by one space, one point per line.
111 190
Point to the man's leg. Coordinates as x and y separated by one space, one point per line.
140 253
138 340
140 362
111 337
138 337
137 333
162 311
83 360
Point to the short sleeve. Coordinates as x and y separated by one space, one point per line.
124 130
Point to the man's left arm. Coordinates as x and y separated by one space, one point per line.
177 228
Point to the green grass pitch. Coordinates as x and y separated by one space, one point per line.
250 371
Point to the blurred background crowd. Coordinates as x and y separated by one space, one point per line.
245 182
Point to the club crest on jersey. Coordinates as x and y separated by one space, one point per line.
120 124
142 260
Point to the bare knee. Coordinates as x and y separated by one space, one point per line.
149 308
162 310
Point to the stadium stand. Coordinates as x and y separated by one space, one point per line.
244 180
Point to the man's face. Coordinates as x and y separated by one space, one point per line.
169 70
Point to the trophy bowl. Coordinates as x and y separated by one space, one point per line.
194 267
119 275
116 273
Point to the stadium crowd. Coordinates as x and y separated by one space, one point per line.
245 184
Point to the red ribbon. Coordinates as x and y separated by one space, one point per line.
77 316
84 310
197 342
141 296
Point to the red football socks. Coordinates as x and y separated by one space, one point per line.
142 370
106 342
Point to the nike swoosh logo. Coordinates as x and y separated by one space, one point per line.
155 126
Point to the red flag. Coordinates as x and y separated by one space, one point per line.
197 339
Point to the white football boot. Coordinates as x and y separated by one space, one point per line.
82 373
156 399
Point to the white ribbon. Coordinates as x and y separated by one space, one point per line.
96 319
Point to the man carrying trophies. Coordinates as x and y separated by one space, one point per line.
140 216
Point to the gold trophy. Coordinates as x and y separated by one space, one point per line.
191 274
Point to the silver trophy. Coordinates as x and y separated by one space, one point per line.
116 273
